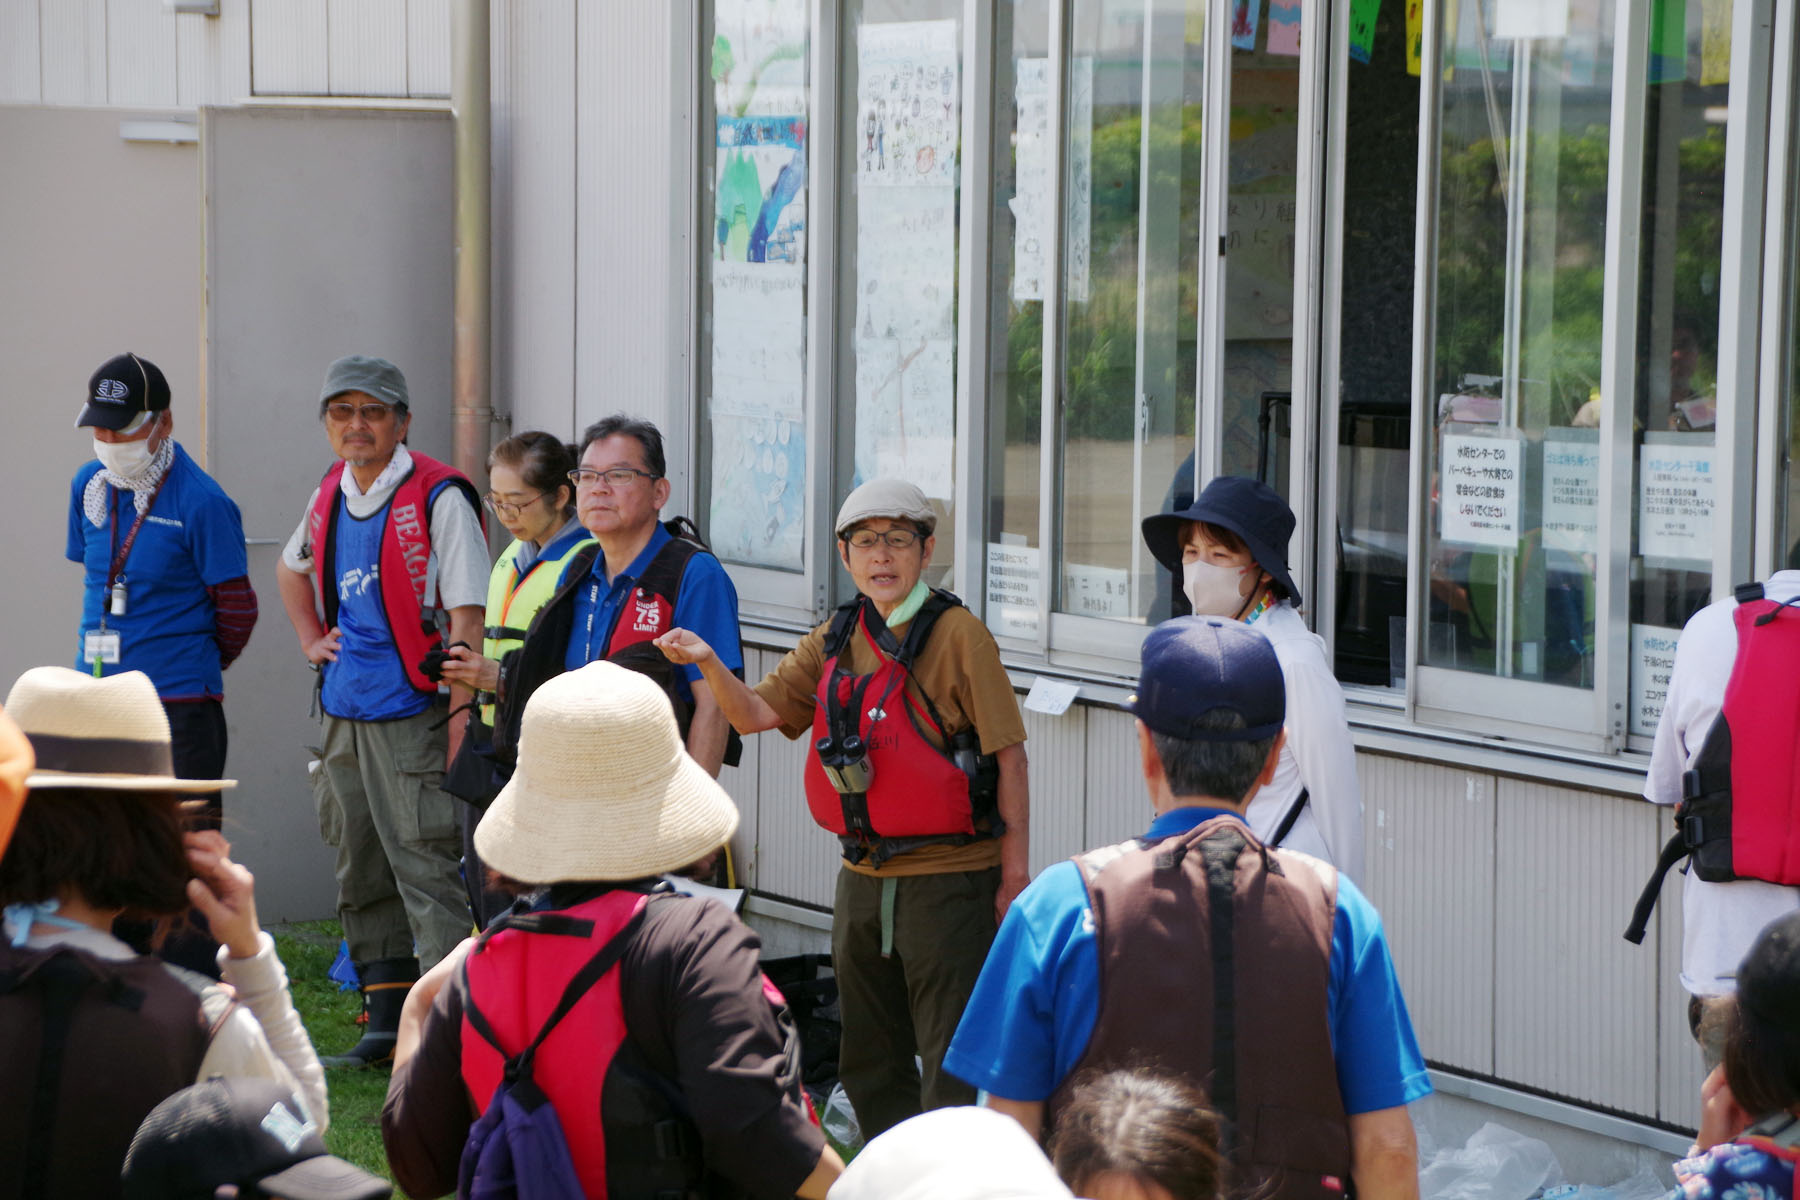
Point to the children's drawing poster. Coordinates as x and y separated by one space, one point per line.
1244 14
1033 200
757 66
1284 27
908 120
1362 28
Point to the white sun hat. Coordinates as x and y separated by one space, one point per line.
604 789
109 733
952 1154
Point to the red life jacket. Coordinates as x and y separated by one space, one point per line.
518 975
1739 816
920 794
405 552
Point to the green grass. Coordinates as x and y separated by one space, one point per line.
307 949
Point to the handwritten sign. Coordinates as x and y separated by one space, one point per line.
1012 589
1571 489
1675 497
1481 489
1091 591
1652 662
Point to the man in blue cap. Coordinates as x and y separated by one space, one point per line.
1262 975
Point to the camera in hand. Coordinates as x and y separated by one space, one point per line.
846 763
432 665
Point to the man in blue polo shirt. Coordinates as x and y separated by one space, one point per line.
1197 948
166 586
639 582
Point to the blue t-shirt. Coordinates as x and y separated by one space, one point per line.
1032 1012
368 681
191 539
706 605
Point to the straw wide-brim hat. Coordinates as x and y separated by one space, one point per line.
109 733
604 789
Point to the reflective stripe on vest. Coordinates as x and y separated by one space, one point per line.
405 554
917 790
517 978
512 601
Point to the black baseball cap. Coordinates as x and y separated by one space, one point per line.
1249 508
248 1132
1768 980
1193 666
124 388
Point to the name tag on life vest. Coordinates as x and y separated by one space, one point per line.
101 645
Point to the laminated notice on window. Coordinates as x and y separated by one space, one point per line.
1480 489
1675 498
1652 662
1012 590
1090 591
1571 489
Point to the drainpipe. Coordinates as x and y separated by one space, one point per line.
472 409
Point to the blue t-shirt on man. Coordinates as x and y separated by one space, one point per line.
706 605
1032 1013
191 539
368 682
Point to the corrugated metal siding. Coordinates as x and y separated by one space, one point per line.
795 858
1575 1004
289 48
140 54
213 56
534 212
1678 1067
428 47
1118 806
741 782
1057 750
366 47
623 204
1429 834
19 82
73 42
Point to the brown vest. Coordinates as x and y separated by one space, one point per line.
88 1047
1215 965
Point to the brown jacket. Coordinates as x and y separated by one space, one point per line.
1215 965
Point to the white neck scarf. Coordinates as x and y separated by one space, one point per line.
94 498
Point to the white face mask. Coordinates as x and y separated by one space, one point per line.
1215 591
127 460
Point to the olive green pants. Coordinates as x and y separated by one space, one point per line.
905 997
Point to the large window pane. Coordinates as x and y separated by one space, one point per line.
752 360
1685 104
901 103
1131 234
1515 457
1019 257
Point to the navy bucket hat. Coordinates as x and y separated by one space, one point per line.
1249 508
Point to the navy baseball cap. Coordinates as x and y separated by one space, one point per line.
1249 508
1193 666
122 390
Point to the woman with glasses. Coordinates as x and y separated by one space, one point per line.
918 765
530 493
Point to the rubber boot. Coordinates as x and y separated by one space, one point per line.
385 983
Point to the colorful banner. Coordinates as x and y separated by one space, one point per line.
1415 35
1284 27
1715 42
1244 14
1362 28
1668 41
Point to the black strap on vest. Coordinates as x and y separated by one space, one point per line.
518 1066
1220 853
503 633
1288 818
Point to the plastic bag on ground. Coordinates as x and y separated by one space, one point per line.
839 1120
1496 1164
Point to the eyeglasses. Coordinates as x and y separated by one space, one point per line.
615 477
372 413
509 508
897 539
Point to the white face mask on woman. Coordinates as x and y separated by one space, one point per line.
1216 591
127 460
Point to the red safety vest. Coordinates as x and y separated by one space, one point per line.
1739 816
405 551
919 794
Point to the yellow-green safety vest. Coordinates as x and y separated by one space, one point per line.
512 602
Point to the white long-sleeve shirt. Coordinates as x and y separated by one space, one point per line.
1719 920
1319 755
